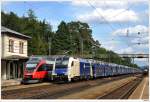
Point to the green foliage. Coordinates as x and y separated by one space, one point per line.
61 40
80 35
72 38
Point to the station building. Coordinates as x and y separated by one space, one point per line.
14 53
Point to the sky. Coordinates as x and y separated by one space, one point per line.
115 23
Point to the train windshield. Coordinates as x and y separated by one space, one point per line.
32 63
30 67
62 62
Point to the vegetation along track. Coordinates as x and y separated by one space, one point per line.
124 91
56 90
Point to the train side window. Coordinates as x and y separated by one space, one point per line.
41 68
72 64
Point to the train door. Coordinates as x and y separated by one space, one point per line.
75 69
101 70
93 70
87 70
96 70
106 70
82 70
41 72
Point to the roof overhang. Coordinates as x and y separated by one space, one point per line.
10 32
14 57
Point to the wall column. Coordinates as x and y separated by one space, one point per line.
3 70
8 70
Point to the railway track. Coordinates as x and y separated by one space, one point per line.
123 92
69 90
54 91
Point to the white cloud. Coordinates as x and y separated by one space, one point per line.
111 45
107 3
143 40
98 3
132 31
137 40
141 59
109 15
139 49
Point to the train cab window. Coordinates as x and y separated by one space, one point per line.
58 61
41 68
62 62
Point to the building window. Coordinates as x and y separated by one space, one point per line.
11 45
21 47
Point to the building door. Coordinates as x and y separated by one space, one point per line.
21 69
11 70
16 70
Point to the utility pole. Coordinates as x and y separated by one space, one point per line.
133 60
49 45
109 56
81 42
93 51
72 44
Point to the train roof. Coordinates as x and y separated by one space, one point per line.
53 57
83 60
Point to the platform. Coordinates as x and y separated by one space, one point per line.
12 82
142 91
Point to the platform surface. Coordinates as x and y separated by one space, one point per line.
142 91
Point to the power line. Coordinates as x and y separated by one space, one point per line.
100 15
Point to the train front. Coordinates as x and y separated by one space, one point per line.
61 69
29 70
37 69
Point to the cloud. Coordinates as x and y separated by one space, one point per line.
111 45
140 40
139 49
98 3
132 31
108 3
140 59
109 15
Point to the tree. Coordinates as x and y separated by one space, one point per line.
31 15
61 41
81 37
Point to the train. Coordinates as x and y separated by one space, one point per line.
38 69
69 68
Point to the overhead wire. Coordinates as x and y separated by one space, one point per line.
101 16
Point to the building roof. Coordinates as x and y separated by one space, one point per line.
12 32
